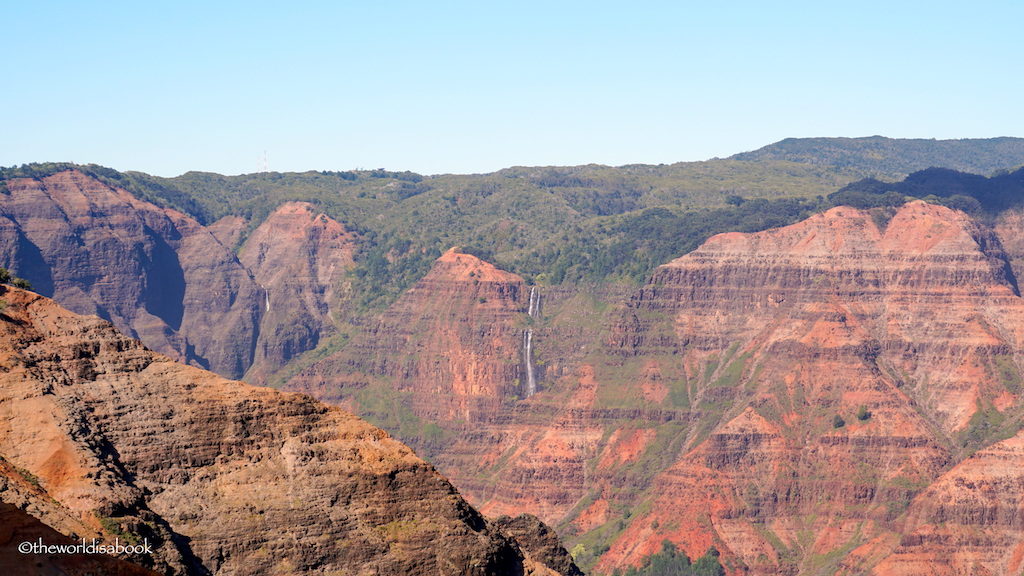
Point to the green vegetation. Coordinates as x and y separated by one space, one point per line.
671 562
113 526
7 278
893 157
592 223
838 422
973 194
986 426
1005 369
389 409
863 413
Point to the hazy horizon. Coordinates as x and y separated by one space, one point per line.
468 88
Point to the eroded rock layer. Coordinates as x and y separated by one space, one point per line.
792 397
836 368
451 348
155 273
299 257
162 277
100 436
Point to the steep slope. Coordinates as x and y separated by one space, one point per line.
792 397
219 476
445 369
451 348
155 273
968 522
835 369
298 257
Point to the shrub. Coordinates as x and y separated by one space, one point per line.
863 413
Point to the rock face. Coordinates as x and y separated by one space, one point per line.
101 436
838 396
162 277
451 346
299 257
539 541
835 369
967 522
833 396
155 273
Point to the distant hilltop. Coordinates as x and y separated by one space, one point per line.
893 157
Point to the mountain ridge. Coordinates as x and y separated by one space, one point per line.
893 157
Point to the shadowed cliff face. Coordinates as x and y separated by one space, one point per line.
101 437
298 257
828 396
160 276
155 273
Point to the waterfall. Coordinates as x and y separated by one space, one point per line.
534 307
532 310
531 382
266 298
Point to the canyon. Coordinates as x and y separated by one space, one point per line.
102 438
160 276
840 395
802 398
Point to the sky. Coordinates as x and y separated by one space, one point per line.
463 87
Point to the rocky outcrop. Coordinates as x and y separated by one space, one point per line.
220 476
539 541
156 273
836 369
299 257
451 346
969 521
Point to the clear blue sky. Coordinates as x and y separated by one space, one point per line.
167 87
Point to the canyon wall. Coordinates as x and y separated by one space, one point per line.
101 437
162 277
837 396
298 257
450 349
796 398
155 273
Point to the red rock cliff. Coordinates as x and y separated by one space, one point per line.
835 370
116 440
804 399
298 257
451 346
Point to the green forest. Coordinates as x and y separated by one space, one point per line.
590 223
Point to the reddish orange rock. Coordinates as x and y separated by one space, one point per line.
299 257
102 437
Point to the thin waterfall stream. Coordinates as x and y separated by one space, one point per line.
532 310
